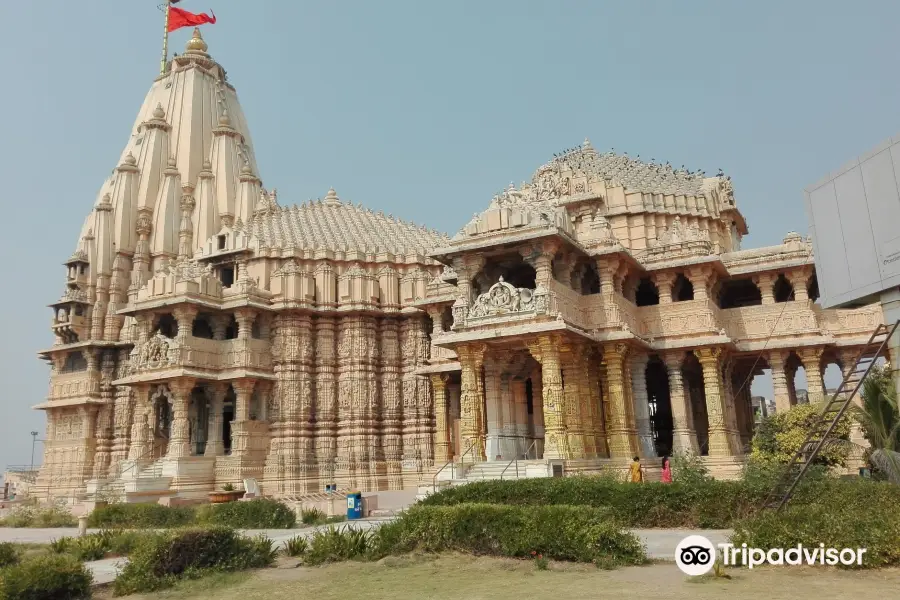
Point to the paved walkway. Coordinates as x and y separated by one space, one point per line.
660 543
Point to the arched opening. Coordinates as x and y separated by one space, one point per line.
736 293
201 327
198 421
590 281
647 294
683 289
783 290
661 422
692 374
75 362
162 422
813 288
167 326
514 270
832 378
796 380
231 330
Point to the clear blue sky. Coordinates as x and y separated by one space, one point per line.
425 109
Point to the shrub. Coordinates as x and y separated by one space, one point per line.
142 515
8 555
334 544
89 547
688 469
43 516
571 533
62 545
702 504
161 559
312 516
46 577
259 513
779 437
296 546
848 514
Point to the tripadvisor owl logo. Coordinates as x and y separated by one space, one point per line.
695 555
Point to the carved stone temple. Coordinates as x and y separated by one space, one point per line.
207 334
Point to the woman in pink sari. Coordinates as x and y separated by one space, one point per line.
666 470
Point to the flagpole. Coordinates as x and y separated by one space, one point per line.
165 52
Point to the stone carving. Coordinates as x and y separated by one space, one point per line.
502 298
678 234
155 353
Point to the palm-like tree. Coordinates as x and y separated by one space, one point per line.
879 417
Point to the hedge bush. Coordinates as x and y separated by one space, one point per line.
42 516
702 504
260 513
570 533
779 436
845 514
142 515
8 554
161 559
46 577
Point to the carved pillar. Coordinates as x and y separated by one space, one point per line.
122 416
290 449
766 284
240 442
219 325
442 431
664 283
180 438
596 400
607 267
493 410
540 257
776 360
245 318
437 320
140 429
546 351
715 401
185 315
800 281
391 368
215 445
418 431
471 361
620 432
641 405
576 409
700 280
812 364
684 437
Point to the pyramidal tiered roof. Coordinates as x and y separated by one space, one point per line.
331 224
190 147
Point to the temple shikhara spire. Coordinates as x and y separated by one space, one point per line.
207 333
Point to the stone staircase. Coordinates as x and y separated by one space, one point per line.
484 471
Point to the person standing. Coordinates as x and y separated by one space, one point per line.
637 474
666 476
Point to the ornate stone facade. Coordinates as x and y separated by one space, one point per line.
206 334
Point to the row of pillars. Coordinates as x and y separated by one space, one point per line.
574 424
179 437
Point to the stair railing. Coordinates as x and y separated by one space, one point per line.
471 445
516 459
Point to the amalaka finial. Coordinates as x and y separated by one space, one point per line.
331 197
196 43
158 112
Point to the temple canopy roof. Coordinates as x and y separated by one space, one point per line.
332 224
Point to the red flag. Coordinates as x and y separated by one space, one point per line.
178 18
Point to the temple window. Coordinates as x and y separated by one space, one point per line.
202 328
447 318
647 293
783 290
226 276
231 331
590 281
75 362
682 289
813 288
522 275
736 293
167 326
220 242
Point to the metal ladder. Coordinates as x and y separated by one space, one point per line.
832 412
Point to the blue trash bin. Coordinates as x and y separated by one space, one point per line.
354 505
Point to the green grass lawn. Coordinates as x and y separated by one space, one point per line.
474 578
